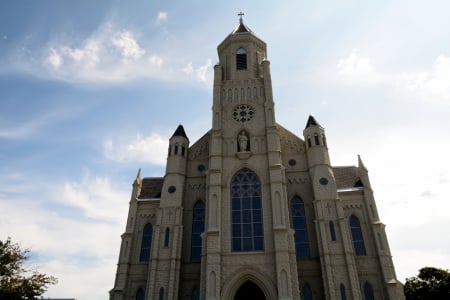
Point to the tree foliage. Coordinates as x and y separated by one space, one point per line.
16 282
431 283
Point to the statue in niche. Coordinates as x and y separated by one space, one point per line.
243 142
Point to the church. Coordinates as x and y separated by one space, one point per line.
251 210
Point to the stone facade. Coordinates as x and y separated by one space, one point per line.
251 210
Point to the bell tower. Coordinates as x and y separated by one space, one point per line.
247 213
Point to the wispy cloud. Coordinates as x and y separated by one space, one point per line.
151 149
432 84
161 17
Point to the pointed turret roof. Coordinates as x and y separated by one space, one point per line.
241 28
180 132
312 122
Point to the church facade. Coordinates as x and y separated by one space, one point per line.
251 210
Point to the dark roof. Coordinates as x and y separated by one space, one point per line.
151 188
180 132
347 177
241 28
312 122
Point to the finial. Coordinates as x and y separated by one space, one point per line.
240 17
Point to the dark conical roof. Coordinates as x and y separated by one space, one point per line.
312 122
180 132
241 28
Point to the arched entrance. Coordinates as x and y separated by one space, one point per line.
249 290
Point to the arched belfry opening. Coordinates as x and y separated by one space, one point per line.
249 290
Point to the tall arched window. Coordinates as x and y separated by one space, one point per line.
357 237
332 231
241 59
299 225
161 293
306 292
316 139
146 245
368 291
195 294
246 212
167 237
343 294
198 226
140 294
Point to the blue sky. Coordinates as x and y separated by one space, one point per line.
92 90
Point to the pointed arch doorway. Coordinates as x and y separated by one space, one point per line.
249 290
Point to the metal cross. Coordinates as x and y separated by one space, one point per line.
240 16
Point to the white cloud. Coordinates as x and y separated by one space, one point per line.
54 59
151 149
357 69
156 60
95 197
433 83
202 71
162 17
130 49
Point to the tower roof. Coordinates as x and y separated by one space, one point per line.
241 28
180 132
312 122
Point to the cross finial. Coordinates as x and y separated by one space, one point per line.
240 16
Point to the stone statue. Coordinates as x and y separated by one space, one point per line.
243 142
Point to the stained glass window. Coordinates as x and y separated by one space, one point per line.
299 225
368 292
306 292
146 245
198 226
246 212
332 231
357 237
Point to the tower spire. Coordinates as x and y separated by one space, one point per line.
241 21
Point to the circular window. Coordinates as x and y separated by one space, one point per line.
323 181
201 168
243 113
172 189
292 162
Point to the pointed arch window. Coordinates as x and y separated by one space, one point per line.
241 59
343 294
140 294
176 149
316 139
195 294
246 212
167 237
306 292
357 237
332 231
161 293
368 291
146 245
198 226
299 225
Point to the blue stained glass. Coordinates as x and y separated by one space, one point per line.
195 294
343 294
140 294
146 244
299 225
246 219
357 237
332 231
368 292
306 292
198 226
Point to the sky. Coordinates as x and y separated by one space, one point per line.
91 91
